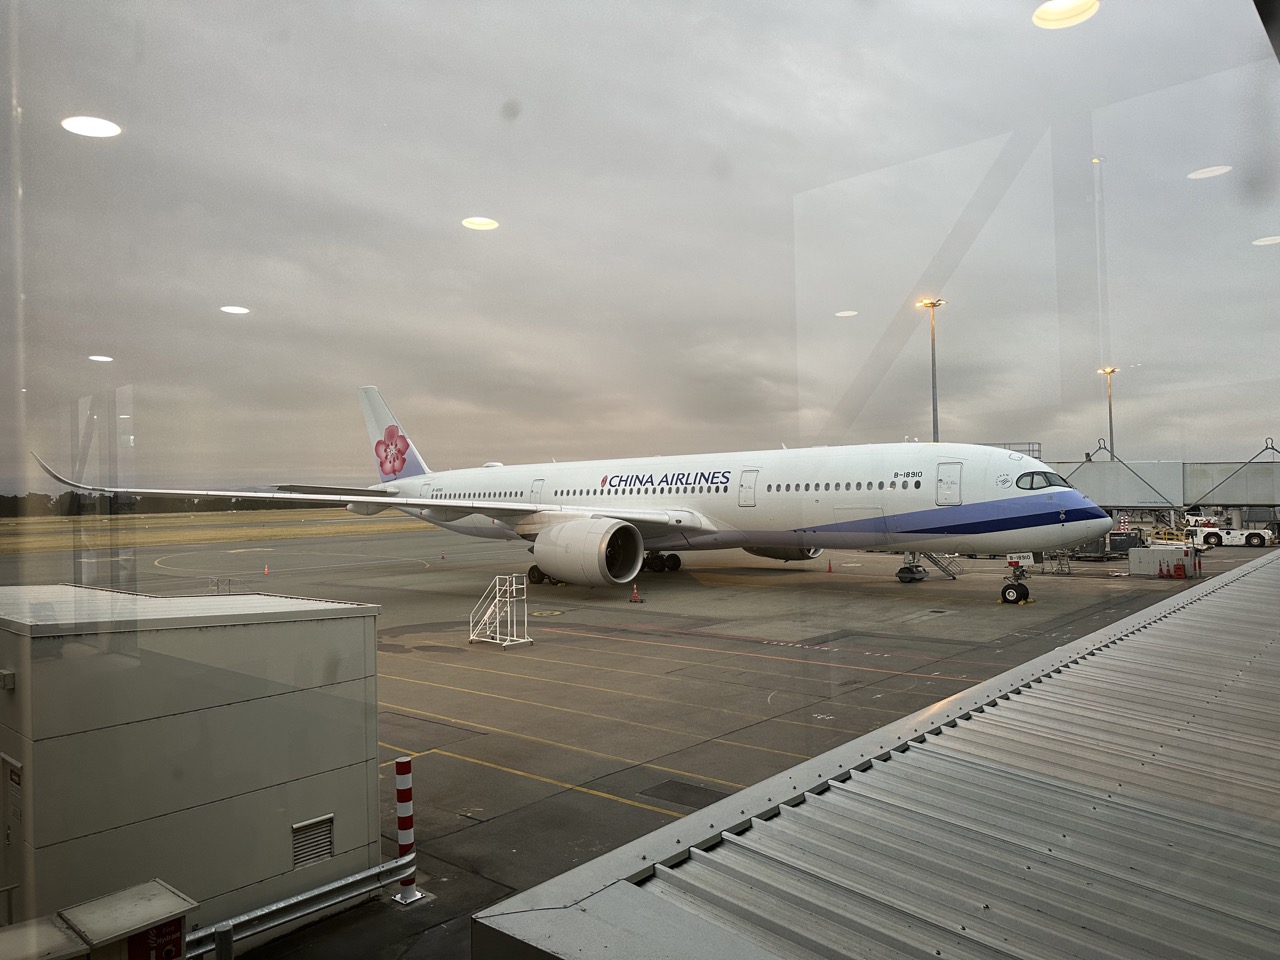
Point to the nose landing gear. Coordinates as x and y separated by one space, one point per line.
1014 589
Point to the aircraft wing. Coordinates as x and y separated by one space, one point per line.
299 493
532 517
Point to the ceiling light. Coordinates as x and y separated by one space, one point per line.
236 310
1204 172
847 313
1056 14
91 127
1266 241
101 359
480 223
125 416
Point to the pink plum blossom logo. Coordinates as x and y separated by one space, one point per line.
391 450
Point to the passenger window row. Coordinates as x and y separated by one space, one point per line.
823 487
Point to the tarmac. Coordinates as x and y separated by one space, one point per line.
621 716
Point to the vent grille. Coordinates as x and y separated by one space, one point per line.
312 841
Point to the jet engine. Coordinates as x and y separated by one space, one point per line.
596 552
785 553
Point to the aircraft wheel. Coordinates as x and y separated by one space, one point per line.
1010 593
655 562
906 574
536 575
673 562
1023 592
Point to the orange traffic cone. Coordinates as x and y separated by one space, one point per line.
828 565
266 569
635 592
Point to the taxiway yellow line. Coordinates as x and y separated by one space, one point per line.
586 686
593 716
762 656
630 761
558 783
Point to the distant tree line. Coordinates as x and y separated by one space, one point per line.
70 504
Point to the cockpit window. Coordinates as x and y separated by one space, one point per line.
1040 479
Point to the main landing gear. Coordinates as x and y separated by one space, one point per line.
537 575
660 562
911 568
655 561
1014 589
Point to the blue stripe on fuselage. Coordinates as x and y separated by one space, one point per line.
989 516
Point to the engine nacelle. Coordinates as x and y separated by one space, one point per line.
785 554
596 552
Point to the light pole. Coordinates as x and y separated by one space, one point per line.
933 358
1111 424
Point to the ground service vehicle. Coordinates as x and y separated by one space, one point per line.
1226 537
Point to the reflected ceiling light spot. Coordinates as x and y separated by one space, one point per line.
236 310
91 127
1266 241
480 223
101 359
1205 172
847 313
125 416
1056 14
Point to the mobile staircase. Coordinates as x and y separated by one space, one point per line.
948 565
913 569
502 615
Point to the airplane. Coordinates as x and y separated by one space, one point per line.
599 522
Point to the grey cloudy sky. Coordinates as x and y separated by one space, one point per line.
688 192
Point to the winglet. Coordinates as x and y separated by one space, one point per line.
61 479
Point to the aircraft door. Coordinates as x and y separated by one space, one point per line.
535 492
949 483
747 488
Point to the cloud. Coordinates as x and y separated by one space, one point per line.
655 285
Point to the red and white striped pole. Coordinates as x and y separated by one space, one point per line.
409 891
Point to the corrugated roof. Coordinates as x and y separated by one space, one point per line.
55 609
1116 798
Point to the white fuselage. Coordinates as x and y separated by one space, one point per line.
949 497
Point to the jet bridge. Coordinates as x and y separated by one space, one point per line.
1156 485
1115 797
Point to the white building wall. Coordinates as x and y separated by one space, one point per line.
182 740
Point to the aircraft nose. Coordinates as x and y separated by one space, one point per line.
1100 526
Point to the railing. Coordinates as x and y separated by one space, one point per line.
948 565
222 936
501 616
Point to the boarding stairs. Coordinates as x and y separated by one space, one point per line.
948 565
502 615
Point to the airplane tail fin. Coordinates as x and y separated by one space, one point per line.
392 449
